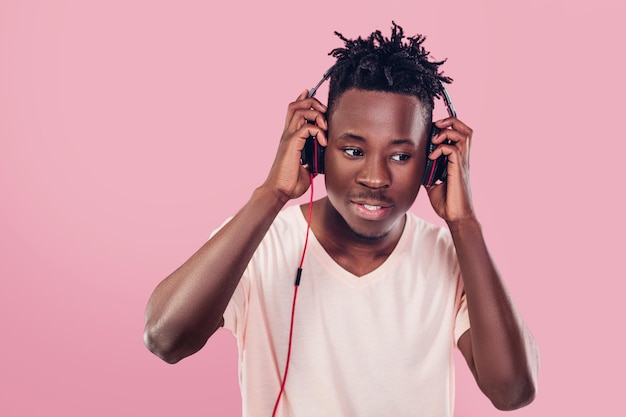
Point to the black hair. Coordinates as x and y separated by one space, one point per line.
392 65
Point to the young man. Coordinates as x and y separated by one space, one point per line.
384 296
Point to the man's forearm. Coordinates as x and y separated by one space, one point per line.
187 307
504 356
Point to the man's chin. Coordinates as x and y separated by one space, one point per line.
373 232
369 235
369 231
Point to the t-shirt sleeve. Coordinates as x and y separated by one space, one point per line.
234 313
461 323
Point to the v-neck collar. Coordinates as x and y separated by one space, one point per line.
316 250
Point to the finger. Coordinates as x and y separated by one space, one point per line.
455 159
453 138
306 103
450 135
303 104
457 132
454 123
308 130
444 150
302 95
309 116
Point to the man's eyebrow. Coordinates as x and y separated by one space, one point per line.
403 142
352 136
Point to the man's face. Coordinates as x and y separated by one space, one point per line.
375 159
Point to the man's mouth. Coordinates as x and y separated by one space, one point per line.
372 204
372 208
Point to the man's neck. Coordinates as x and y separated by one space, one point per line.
357 254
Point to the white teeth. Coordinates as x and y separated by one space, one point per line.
367 206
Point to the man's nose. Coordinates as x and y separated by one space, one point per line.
374 173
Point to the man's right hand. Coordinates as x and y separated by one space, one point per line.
288 178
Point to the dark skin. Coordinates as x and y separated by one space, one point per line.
374 164
374 161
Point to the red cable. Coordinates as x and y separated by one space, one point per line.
295 296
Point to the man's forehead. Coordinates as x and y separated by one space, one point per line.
378 108
356 101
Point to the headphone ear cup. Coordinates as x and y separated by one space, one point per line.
431 167
313 155
319 158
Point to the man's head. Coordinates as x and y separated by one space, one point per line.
379 114
396 65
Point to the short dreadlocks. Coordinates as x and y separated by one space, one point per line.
386 64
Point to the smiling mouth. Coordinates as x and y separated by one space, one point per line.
371 211
372 204
371 208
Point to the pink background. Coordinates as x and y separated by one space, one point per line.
131 129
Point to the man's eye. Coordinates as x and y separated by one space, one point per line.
400 157
353 152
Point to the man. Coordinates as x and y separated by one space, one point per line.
383 296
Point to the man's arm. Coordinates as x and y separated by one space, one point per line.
187 307
499 349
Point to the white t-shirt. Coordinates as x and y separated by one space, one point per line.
377 345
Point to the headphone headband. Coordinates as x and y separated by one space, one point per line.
446 96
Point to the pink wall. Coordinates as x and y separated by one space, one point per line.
130 129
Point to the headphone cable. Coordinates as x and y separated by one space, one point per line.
295 293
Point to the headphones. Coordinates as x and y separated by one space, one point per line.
435 171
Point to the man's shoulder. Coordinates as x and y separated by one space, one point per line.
425 232
290 216
418 224
288 224
287 219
